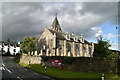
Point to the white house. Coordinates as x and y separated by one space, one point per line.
11 48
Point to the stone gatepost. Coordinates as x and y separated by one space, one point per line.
73 49
65 50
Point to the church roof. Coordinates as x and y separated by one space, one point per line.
58 34
55 28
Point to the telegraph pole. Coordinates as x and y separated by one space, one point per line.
116 46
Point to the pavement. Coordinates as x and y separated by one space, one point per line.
13 71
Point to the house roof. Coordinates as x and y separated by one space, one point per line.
11 43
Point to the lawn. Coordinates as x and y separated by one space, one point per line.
58 73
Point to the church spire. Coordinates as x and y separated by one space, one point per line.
56 14
56 25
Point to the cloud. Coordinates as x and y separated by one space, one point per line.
115 46
98 31
30 18
109 36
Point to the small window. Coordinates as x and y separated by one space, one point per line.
14 50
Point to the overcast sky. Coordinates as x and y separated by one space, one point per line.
20 19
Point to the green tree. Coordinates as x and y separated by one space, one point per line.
24 45
8 40
29 44
32 44
102 48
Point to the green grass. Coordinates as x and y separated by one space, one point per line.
58 73
24 65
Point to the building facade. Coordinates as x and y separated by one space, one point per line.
10 48
55 42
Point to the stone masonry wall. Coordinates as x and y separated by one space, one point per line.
34 59
87 64
93 65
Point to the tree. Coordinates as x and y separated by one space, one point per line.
102 48
32 44
29 44
8 40
24 45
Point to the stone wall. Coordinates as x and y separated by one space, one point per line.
93 65
87 64
34 59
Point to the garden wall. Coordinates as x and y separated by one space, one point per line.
93 65
84 64
30 59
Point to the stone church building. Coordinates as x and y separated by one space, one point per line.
55 42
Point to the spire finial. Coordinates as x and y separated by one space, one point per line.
56 14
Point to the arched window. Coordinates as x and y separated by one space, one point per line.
69 49
90 51
83 50
76 50
60 49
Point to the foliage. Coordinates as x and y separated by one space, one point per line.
113 56
66 60
8 40
29 44
101 48
17 58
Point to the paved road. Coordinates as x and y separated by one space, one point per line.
13 71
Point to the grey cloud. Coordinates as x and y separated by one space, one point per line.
28 19
106 9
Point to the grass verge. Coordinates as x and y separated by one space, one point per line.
58 73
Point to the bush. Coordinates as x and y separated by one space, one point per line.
111 56
17 58
45 58
66 60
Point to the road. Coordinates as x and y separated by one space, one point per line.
13 71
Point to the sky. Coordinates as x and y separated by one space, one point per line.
20 19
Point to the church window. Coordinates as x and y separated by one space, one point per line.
77 50
83 50
90 50
69 49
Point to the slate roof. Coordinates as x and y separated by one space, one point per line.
55 28
11 43
58 34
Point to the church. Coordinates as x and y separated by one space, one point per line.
54 42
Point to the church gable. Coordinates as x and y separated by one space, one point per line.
46 34
55 25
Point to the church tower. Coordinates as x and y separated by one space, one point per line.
56 25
